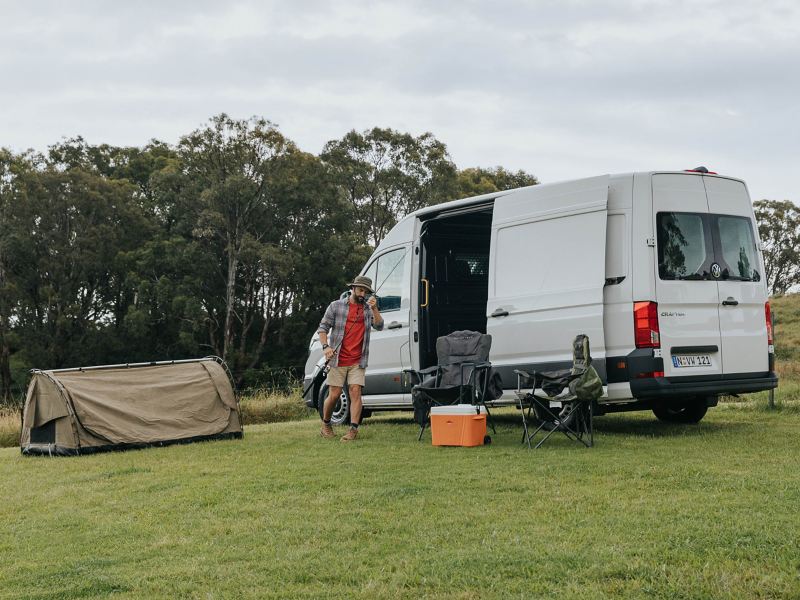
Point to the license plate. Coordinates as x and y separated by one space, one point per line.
691 360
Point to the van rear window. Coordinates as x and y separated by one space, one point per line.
689 244
683 246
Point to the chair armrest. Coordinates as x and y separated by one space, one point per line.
419 375
525 376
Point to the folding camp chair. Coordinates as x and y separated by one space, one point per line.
566 403
463 375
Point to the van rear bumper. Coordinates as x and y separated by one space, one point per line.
670 387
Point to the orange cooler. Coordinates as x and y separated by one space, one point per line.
458 425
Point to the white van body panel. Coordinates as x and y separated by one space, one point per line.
389 350
574 257
547 271
688 311
742 325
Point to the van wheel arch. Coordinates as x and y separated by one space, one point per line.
688 411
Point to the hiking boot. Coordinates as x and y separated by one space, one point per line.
327 431
350 435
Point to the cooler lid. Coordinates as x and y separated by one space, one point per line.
458 409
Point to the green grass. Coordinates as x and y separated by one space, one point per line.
652 511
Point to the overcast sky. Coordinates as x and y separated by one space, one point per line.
561 89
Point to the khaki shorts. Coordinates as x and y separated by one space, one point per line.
354 375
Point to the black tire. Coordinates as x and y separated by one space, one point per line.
341 411
684 412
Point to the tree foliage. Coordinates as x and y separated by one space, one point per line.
475 181
230 242
779 230
385 174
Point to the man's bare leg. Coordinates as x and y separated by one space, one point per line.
355 403
327 408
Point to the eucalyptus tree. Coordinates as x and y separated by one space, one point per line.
226 167
779 230
385 174
475 181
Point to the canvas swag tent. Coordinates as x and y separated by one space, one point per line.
114 407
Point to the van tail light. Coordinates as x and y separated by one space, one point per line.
768 315
645 325
650 375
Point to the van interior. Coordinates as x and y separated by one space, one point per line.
455 263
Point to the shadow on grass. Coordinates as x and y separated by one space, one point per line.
618 425
603 425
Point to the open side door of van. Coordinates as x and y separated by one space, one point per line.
546 275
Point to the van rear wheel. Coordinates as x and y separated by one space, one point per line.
341 410
687 411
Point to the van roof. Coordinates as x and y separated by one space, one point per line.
437 208
402 231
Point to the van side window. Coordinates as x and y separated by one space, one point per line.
739 258
684 246
388 280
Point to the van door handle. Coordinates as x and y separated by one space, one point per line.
500 313
730 301
394 325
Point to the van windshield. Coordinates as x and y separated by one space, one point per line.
690 243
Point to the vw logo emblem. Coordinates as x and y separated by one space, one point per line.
716 271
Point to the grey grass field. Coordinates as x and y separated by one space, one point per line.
656 511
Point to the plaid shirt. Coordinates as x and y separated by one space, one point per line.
333 323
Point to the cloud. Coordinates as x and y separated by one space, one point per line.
561 88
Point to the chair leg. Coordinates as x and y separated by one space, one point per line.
581 428
524 422
490 419
425 422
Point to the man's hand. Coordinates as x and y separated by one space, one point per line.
328 353
372 302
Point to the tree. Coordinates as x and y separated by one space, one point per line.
475 181
226 168
779 230
11 168
385 174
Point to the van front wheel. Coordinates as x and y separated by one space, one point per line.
341 410
688 411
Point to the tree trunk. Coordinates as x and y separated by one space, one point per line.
5 369
230 297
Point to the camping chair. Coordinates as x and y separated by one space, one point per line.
463 375
566 403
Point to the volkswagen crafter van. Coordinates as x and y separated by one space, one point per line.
662 270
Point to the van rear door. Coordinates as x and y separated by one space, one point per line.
546 275
742 289
687 294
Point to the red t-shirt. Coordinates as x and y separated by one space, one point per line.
350 353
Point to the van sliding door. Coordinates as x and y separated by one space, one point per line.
546 275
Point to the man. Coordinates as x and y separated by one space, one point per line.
348 322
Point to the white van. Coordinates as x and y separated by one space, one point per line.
662 270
